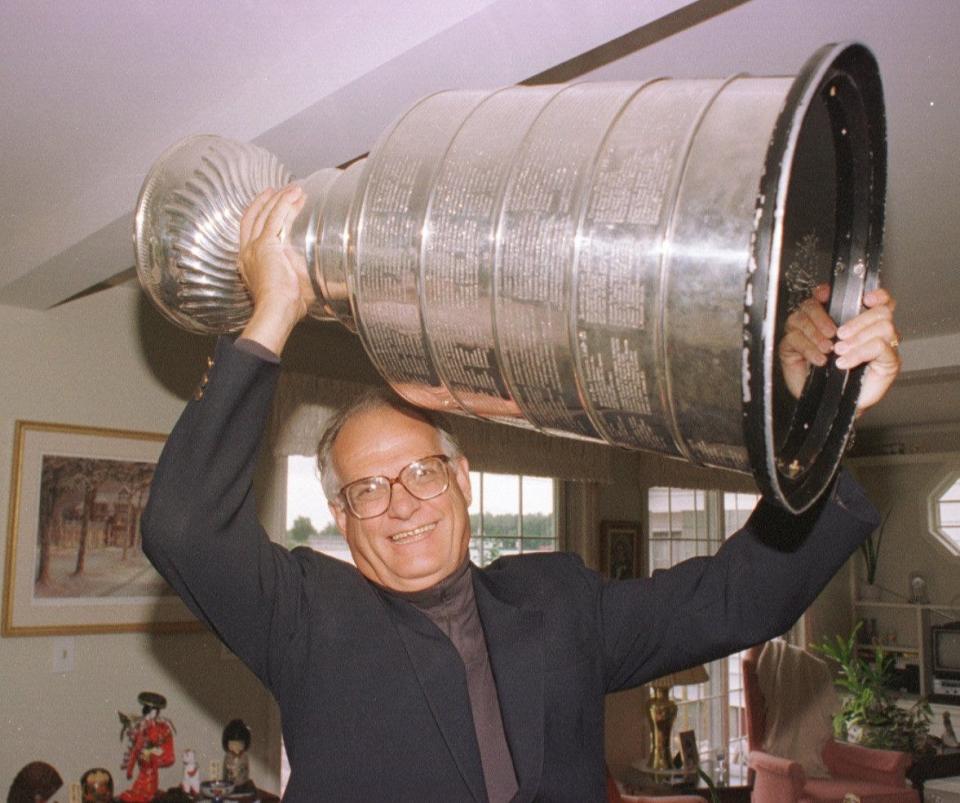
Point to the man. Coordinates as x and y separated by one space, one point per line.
417 676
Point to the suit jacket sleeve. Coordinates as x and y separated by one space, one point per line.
200 527
757 585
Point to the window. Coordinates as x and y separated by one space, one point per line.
511 514
945 513
685 523
309 521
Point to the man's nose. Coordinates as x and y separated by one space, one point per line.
402 502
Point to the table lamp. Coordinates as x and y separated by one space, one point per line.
663 711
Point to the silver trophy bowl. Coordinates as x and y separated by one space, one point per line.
607 261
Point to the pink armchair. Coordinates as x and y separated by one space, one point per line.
875 776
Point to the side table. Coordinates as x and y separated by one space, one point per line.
926 768
639 783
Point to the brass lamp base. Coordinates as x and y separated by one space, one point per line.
663 711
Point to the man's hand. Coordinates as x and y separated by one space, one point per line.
870 338
275 273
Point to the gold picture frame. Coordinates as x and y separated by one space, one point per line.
74 562
620 550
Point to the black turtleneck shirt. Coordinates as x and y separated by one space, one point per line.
452 607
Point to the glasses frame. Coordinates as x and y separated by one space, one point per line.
348 505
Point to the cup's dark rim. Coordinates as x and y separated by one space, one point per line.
797 474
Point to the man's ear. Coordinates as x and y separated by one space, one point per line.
461 470
339 513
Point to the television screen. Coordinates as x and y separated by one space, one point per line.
946 650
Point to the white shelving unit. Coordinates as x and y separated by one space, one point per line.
903 630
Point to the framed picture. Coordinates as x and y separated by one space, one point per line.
74 561
689 752
620 556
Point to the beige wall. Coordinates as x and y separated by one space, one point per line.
902 486
108 360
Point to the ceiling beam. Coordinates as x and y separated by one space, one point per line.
508 42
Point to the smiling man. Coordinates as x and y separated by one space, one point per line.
406 522
417 676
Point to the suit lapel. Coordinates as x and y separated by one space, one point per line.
515 645
442 678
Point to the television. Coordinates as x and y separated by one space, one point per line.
945 660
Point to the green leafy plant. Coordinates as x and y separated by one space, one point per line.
869 714
870 549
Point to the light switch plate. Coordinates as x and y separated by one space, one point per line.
64 652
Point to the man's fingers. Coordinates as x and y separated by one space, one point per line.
795 346
250 214
814 309
260 219
282 211
880 306
875 342
879 296
814 328
855 328
871 339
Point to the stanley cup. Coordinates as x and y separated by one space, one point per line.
607 261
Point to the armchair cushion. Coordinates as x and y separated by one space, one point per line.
779 780
801 723
832 790
853 761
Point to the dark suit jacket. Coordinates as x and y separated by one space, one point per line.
374 697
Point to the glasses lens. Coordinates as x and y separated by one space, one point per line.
425 478
368 497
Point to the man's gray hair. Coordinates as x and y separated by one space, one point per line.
371 400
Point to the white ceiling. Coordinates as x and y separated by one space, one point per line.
91 93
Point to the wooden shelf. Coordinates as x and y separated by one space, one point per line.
913 606
890 648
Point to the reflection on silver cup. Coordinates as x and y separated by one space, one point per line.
613 262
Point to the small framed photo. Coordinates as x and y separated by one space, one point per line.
74 561
620 552
689 751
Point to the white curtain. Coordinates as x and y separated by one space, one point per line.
581 521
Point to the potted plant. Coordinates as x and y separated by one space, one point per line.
870 549
869 714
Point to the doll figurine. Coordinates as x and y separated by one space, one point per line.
236 763
150 747
96 786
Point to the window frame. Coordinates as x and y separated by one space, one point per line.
934 522
477 536
707 702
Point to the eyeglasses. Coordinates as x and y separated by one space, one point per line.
424 479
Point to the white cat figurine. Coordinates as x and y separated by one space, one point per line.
191 773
